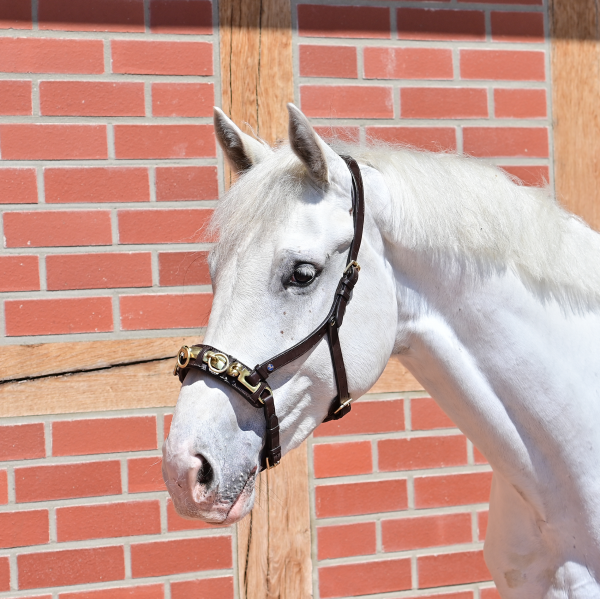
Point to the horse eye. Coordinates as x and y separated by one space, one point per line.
304 274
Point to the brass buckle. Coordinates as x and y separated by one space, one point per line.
354 264
269 467
217 362
252 388
342 406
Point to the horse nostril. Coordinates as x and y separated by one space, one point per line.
205 474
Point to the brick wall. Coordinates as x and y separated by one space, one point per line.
108 174
108 168
84 514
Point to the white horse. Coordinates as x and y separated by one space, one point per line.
487 291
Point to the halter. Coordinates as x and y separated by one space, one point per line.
252 384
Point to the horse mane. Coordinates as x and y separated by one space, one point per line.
458 209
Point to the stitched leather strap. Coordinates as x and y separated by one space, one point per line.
252 385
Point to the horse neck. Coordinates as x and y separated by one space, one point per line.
492 354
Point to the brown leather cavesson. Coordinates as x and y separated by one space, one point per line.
252 384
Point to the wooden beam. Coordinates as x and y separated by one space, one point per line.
575 105
274 546
92 376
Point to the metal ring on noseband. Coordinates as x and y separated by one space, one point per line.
252 383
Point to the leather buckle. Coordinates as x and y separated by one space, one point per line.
353 264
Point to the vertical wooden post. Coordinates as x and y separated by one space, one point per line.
274 551
575 30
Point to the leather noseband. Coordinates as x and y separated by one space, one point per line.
251 384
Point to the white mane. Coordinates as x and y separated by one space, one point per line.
455 208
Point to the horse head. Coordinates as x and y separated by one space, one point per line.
284 232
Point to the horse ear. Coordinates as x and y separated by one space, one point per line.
308 146
241 150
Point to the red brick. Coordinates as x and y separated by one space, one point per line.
148 591
367 417
19 529
451 568
328 61
65 481
18 186
432 139
167 424
517 26
408 63
96 184
520 103
365 579
207 588
3 487
452 489
15 98
361 498
482 524
58 316
530 142
182 183
435 24
53 142
57 228
22 441
503 65
346 540
145 475
534 175
162 558
98 271
74 566
106 15
183 99
48 55
443 103
343 459
164 141
426 414
103 435
164 226
181 16
161 58
176 523
19 273
347 101
183 268
15 14
422 452
165 311
347 134
490 594
82 522
343 21
91 98
4 574
426 531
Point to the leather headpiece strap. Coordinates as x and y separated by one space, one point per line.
251 384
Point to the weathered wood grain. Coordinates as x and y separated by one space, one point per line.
41 359
274 540
119 388
575 30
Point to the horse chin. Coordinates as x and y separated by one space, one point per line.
211 511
